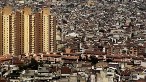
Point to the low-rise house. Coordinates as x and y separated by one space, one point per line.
3 80
70 59
143 63
114 65
43 74
14 76
55 70
138 73
73 79
63 80
10 67
5 60
136 76
85 67
98 54
111 72
101 65
53 58
17 61
65 71
138 59
125 74
117 31
141 80
28 75
38 56
122 60
43 71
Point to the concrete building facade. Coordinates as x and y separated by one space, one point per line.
26 31
7 29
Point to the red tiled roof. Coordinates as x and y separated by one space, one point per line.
71 53
51 55
100 57
117 60
139 69
3 80
138 58
38 54
126 72
94 52
115 56
4 59
121 56
65 70
68 62
70 57
17 61
54 69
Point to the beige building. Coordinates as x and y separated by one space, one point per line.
1 33
6 23
52 32
27 25
6 28
45 29
27 32
22 31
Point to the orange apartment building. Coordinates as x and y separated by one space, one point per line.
27 32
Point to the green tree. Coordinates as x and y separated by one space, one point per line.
41 63
93 60
22 67
33 64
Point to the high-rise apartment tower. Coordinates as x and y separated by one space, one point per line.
25 31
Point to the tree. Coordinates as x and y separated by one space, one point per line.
33 64
109 60
132 35
41 63
80 58
48 62
93 60
22 67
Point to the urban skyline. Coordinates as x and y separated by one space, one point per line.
72 40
